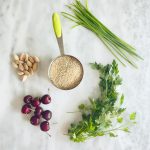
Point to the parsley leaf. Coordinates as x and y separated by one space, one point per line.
99 115
119 119
133 116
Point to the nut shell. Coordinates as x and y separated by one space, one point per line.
24 78
14 65
31 59
35 66
16 57
25 64
29 64
36 59
21 68
20 73
22 57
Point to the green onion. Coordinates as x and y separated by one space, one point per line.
81 15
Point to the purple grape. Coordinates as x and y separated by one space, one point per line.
38 111
35 120
26 109
46 99
47 114
45 126
28 99
36 102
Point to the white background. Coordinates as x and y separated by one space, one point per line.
26 26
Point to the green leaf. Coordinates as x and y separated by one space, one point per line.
81 107
121 99
94 65
119 119
74 135
133 116
73 125
126 129
86 4
92 101
121 110
115 67
101 134
81 15
111 134
98 115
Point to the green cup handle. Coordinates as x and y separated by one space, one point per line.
58 32
57 25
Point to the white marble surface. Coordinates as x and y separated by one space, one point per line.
25 26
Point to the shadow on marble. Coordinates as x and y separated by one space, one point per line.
43 68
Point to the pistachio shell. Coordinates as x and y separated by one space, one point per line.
16 57
21 68
26 57
17 62
21 62
31 59
35 66
30 71
27 73
36 59
22 57
20 73
14 65
24 78
25 66
29 64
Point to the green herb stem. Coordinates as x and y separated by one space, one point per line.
119 48
104 113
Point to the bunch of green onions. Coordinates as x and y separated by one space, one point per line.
120 49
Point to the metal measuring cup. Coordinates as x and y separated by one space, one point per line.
64 66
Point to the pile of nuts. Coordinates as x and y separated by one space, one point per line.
25 64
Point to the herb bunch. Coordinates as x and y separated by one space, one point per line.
120 49
104 115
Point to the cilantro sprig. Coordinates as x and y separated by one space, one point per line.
103 115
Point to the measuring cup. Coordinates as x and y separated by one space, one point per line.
65 71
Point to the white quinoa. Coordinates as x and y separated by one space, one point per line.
66 72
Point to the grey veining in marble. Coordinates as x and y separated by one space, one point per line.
26 26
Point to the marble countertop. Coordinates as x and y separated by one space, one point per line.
26 26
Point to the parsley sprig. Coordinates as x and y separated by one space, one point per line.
103 115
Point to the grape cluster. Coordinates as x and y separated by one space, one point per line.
33 104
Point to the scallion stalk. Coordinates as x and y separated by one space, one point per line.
81 15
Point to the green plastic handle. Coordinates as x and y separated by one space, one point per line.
57 25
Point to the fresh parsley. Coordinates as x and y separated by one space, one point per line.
103 115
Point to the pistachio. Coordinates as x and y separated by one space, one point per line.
17 62
29 64
25 66
30 71
26 57
21 68
22 57
21 62
31 59
26 73
16 57
36 59
14 65
24 78
35 66
20 73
